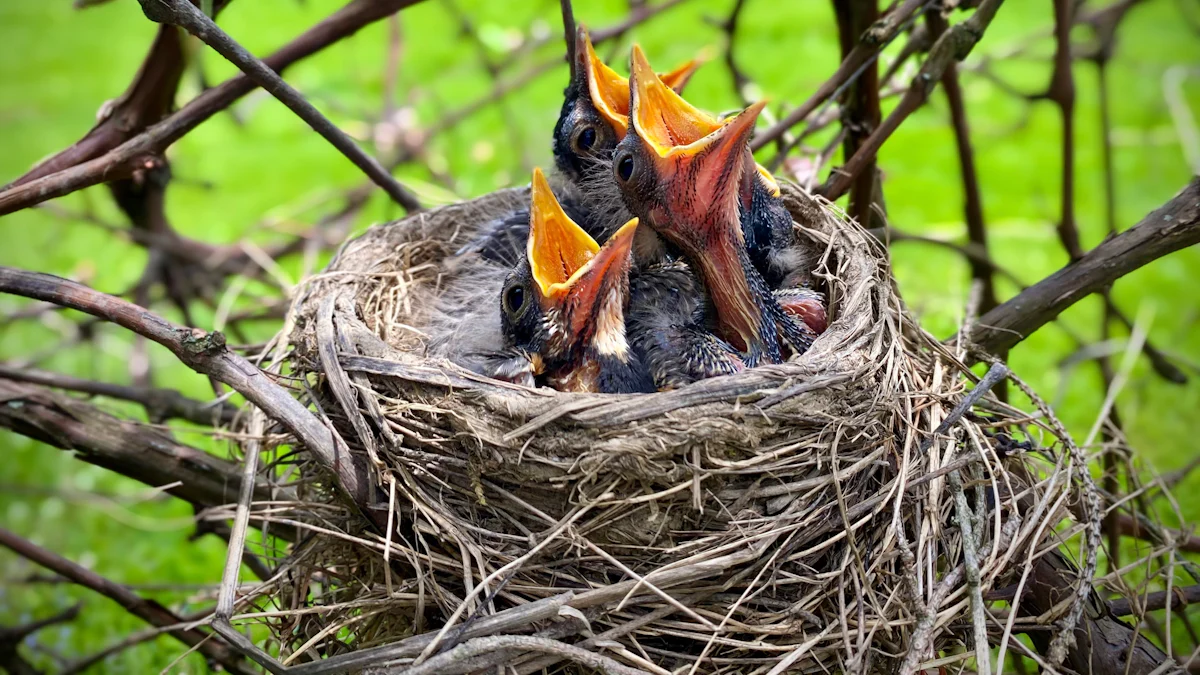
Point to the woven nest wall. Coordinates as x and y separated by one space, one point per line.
794 517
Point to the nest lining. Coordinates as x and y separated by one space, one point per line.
722 524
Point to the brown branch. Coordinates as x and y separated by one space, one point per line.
864 52
1062 93
160 404
954 45
148 99
973 202
122 160
1128 526
729 26
205 353
1179 597
1102 645
133 450
147 610
11 661
860 103
183 14
1171 227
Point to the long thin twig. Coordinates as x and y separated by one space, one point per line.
147 610
160 404
850 66
953 45
185 15
127 448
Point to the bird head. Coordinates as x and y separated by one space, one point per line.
567 300
687 174
595 112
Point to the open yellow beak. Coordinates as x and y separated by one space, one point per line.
557 248
610 92
672 126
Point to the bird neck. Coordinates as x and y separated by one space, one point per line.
735 289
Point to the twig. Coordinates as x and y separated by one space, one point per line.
446 662
1171 227
121 446
973 202
953 45
995 374
203 352
185 15
1178 597
971 563
860 102
122 160
851 65
147 610
84 664
160 404
11 660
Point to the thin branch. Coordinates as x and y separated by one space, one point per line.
205 353
147 610
130 449
973 201
125 158
160 404
860 103
954 45
866 50
185 15
11 660
1178 598
1171 227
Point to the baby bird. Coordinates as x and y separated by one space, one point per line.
564 305
693 193
594 117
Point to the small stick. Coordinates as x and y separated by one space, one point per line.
185 15
994 375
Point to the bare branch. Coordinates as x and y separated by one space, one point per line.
865 51
183 14
160 404
205 353
147 610
1171 227
953 45
124 447
122 160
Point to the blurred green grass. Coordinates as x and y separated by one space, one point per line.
232 179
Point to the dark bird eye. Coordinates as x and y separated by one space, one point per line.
514 299
625 167
586 139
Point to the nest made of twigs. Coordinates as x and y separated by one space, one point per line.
792 517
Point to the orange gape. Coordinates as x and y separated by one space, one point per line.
610 92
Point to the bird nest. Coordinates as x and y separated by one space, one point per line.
795 517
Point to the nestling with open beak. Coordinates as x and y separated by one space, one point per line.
689 182
564 305
594 117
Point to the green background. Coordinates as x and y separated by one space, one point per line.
259 172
